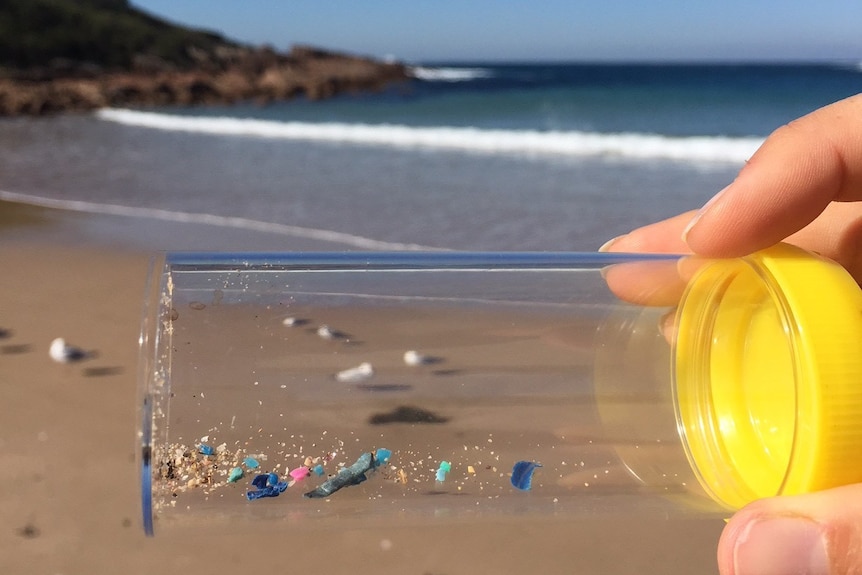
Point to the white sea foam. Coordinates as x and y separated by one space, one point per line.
443 74
698 149
212 220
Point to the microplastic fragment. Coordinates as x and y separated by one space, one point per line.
383 455
206 449
445 467
261 481
235 475
267 485
522 474
299 473
351 475
270 491
251 463
318 470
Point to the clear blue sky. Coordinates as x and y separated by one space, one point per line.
642 30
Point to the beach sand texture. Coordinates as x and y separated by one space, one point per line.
70 489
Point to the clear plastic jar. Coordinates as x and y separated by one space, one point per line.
456 386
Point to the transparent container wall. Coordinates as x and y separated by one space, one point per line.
458 365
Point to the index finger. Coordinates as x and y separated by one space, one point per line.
789 181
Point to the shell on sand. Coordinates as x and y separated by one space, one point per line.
361 372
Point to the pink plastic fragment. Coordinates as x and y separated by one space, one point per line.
299 473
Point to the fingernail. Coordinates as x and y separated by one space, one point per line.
700 213
780 545
607 245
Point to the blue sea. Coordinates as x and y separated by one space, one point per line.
470 156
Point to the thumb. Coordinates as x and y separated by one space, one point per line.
814 534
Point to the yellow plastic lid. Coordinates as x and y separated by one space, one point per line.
768 375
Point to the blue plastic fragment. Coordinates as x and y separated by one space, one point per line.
383 456
522 474
270 491
318 470
260 481
206 449
251 463
267 485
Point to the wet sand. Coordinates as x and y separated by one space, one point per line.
70 489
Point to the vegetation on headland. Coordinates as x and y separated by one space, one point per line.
61 35
62 55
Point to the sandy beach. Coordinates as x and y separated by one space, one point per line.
70 489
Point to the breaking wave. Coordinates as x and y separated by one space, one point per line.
442 74
636 146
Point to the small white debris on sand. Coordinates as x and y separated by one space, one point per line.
325 332
413 357
361 372
291 321
61 352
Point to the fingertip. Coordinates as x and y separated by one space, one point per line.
690 233
686 231
608 245
730 535
779 544
811 533
659 237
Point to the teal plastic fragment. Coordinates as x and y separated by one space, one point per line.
251 463
351 475
445 467
235 475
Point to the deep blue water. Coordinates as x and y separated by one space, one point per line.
674 100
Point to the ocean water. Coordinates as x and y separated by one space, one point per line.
479 156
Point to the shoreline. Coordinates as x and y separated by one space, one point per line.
25 222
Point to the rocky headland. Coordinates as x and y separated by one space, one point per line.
79 55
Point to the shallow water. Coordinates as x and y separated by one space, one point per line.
436 199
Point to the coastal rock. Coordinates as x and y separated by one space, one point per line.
235 75
77 55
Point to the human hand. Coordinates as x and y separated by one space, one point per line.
799 187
